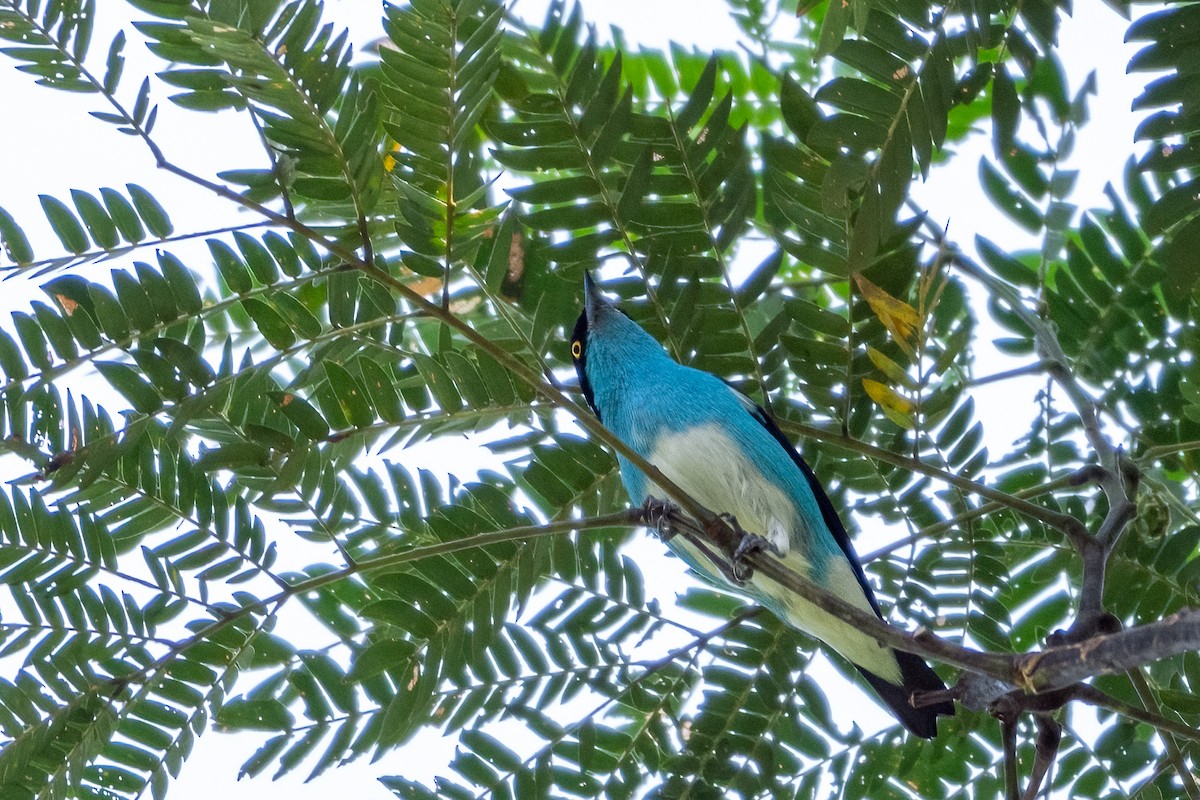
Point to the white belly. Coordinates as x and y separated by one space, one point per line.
707 464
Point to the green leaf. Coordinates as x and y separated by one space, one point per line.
257 257
382 389
1004 265
16 245
189 363
1175 205
330 189
438 380
231 456
760 279
232 270
134 301
109 313
1178 256
699 97
798 108
1007 199
182 283
155 217
302 414
115 63
101 227
254 715
868 231
351 396
860 97
270 323
126 380
159 292
56 331
33 341
123 215
297 315
1006 113
379 656
284 253
66 226
833 27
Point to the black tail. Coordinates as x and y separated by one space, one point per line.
918 677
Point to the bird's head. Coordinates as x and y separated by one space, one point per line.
606 344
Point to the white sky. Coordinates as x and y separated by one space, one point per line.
49 145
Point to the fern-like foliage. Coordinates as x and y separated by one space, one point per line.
1170 36
438 76
216 441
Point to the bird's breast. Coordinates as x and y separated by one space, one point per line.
708 464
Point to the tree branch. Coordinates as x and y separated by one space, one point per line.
1036 368
1048 739
1046 670
1107 654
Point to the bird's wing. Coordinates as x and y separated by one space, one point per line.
828 513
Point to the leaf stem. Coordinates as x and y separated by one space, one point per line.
1065 523
983 510
1167 733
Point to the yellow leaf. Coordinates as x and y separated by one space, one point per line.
894 372
887 397
902 420
901 319
389 161
894 405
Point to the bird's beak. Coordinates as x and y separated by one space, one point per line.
592 299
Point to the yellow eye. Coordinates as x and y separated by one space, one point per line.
576 349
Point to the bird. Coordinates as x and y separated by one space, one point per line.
728 454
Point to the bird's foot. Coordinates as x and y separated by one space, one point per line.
657 514
751 543
739 570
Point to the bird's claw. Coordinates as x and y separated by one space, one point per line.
750 543
738 568
657 514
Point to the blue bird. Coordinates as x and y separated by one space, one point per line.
727 453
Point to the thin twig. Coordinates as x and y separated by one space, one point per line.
93 256
986 509
1174 752
1089 694
522 534
1036 368
1065 523
1163 450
